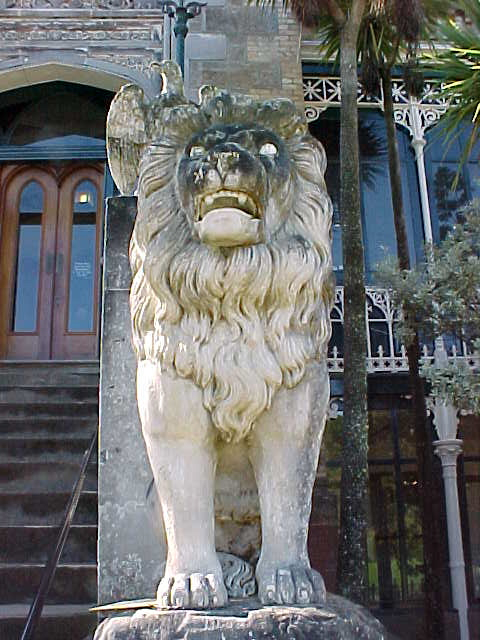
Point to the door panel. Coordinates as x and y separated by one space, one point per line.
75 317
49 262
27 249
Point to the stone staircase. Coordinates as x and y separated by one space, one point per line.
48 413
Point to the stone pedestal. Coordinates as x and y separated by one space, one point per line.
339 619
130 556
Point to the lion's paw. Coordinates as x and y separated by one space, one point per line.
194 591
294 584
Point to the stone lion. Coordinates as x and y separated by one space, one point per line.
230 305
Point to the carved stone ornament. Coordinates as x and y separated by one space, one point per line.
70 4
230 304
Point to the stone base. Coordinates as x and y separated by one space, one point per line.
338 619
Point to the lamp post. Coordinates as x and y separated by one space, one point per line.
182 14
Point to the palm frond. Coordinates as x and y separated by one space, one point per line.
459 67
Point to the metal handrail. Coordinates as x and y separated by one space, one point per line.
47 578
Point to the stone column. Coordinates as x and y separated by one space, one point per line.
129 554
448 451
448 447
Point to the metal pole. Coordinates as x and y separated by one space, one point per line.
180 29
182 14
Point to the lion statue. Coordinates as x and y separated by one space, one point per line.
230 304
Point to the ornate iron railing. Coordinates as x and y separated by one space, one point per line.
321 92
385 352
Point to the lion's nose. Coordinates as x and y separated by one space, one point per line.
223 161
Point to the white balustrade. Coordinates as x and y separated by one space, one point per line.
384 351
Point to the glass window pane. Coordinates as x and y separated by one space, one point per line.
31 198
82 261
378 225
474 173
379 337
446 202
332 179
85 199
27 274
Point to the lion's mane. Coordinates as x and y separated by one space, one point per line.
240 323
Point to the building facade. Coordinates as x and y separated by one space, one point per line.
60 64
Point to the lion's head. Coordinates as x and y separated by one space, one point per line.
231 247
234 184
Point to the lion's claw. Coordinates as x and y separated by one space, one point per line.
290 585
194 591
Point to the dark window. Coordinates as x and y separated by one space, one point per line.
25 300
442 160
53 114
395 547
377 214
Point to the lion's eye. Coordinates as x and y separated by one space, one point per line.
197 151
268 149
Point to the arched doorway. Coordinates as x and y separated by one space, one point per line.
49 262
51 221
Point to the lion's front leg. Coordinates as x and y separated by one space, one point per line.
284 451
179 439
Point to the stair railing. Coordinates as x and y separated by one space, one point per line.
48 574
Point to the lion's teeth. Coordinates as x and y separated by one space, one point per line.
242 198
209 200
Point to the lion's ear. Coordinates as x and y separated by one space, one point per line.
126 136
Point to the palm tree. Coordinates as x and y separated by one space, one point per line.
389 33
387 28
346 17
458 63
387 38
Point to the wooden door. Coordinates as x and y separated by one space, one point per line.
49 262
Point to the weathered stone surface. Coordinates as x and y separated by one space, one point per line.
130 555
114 41
231 345
338 619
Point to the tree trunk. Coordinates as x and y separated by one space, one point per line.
352 553
432 545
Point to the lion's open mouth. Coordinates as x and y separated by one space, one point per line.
226 200
228 219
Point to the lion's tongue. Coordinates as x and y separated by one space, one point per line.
229 227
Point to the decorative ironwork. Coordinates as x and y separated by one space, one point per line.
385 353
416 115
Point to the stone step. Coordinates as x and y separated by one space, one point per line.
24 373
21 477
48 414
50 394
45 449
45 508
48 409
52 425
72 583
34 544
58 622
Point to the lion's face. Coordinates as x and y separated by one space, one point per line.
233 182
231 247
